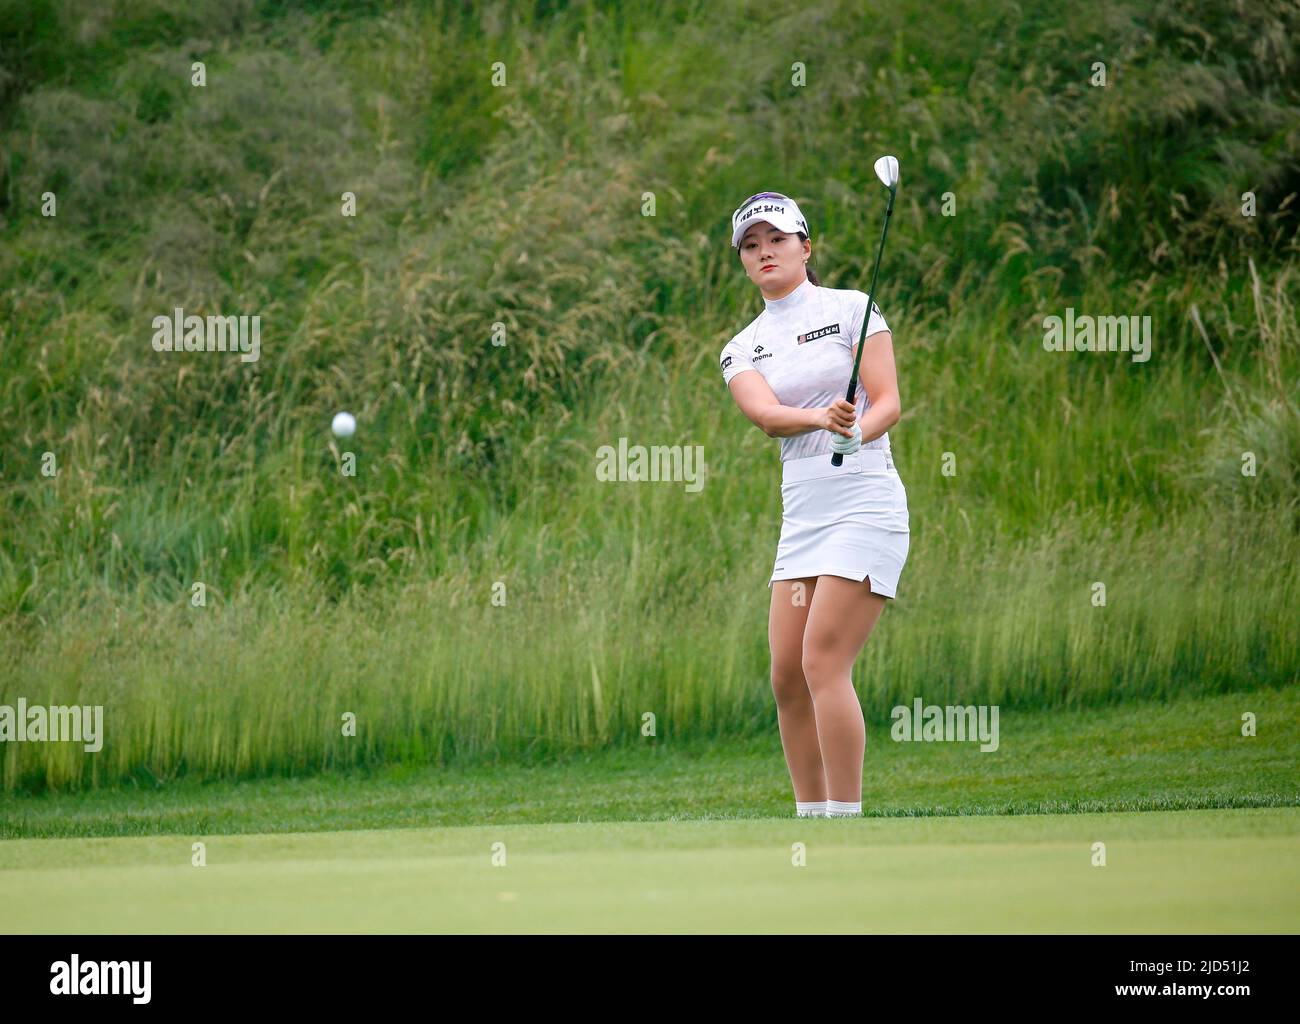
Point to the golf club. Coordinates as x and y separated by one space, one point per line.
887 172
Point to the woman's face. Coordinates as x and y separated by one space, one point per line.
764 246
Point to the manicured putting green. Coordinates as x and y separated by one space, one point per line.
1179 871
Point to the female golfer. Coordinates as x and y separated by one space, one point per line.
844 529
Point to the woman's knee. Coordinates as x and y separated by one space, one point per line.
788 684
820 664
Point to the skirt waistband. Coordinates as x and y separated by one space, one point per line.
814 467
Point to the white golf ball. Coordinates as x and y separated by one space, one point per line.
344 424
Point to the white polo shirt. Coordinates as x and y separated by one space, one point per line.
803 346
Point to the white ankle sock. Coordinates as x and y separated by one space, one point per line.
810 808
842 808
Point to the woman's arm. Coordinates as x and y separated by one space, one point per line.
878 376
758 401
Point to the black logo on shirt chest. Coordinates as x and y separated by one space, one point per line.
760 354
821 332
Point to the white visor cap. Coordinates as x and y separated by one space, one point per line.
779 210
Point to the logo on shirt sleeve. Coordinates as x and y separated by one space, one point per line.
821 332
726 362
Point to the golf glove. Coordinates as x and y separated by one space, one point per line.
848 445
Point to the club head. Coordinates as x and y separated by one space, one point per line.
887 171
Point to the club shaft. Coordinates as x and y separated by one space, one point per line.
837 458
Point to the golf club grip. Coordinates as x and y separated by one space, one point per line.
837 459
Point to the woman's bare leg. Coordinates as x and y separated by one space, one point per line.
791 601
841 616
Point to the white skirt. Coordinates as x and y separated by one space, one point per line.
848 520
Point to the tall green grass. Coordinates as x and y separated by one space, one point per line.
578 656
522 206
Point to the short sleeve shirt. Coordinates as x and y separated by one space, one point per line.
803 346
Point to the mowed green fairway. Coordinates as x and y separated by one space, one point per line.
1176 871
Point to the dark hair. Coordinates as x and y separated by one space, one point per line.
812 274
